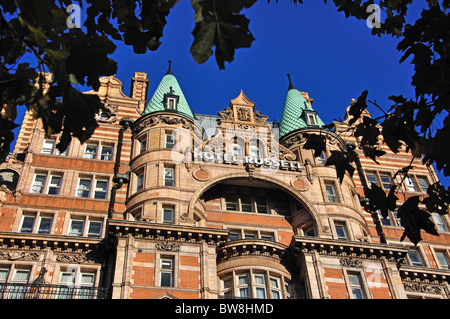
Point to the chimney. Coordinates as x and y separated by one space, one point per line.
139 89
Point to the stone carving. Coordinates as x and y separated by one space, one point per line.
168 246
19 255
227 114
80 258
350 262
243 114
417 287
260 118
152 121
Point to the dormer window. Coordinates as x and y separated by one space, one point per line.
171 100
310 117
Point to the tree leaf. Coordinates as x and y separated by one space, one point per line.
342 163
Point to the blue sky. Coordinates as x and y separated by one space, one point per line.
332 57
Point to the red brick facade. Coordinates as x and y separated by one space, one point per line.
219 227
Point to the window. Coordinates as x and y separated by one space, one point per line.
268 237
309 232
397 218
372 178
84 187
21 276
311 119
171 103
275 288
414 258
236 148
166 272
250 236
340 230
142 144
87 281
170 140
95 229
75 284
106 153
38 183
355 286
29 220
54 185
386 180
169 176
384 221
90 151
234 236
423 183
168 215
261 204
260 286
45 225
331 193
411 186
442 260
255 284
4 274
246 203
243 286
101 189
27 223
76 227
440 222
140 181
230 202
227 287
48 146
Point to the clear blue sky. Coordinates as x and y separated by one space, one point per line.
332 57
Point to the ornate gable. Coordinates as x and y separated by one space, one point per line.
242 109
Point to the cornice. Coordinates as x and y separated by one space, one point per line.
10 240
158 231
252 247
343 248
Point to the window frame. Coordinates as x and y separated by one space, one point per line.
90 154
171 179
95 190
167 271
103 155
78 220
171 211
361 285
169 144
48 150
329 196
44 183
88 190
343 226
57 187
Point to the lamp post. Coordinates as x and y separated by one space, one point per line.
119 179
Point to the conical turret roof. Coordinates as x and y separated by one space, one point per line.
168 85
292 117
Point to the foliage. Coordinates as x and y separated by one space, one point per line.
39 29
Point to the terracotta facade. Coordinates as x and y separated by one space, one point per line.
205 212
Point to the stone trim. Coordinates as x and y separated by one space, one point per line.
156 231
342 248
247 247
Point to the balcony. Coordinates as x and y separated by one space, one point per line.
47 291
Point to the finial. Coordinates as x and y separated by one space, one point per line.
169 71
291 86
